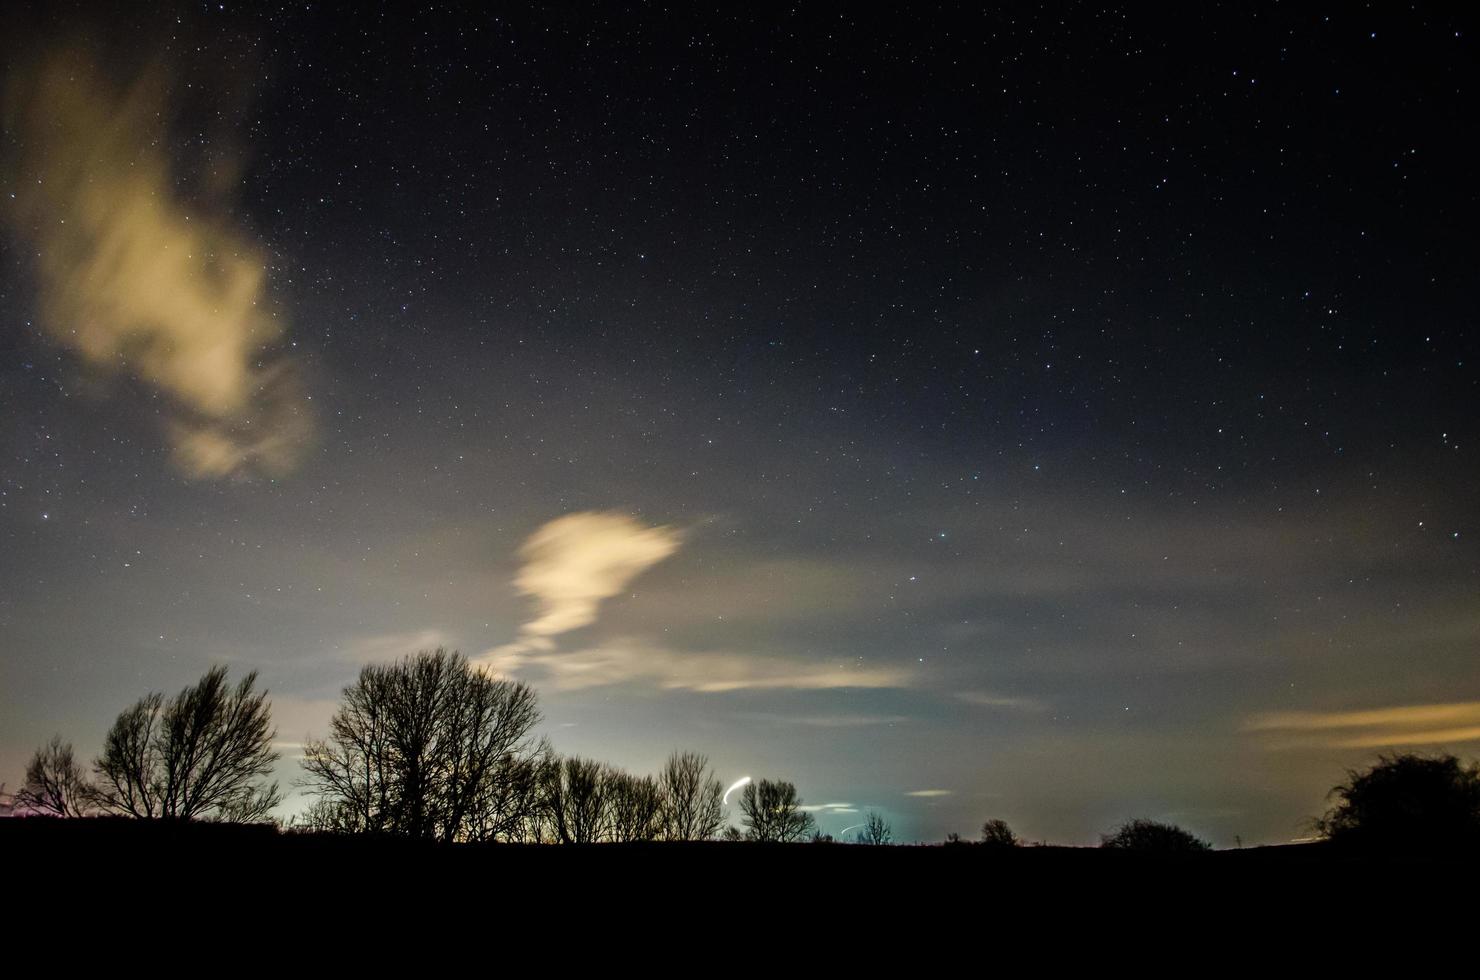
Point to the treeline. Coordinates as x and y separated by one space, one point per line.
429 747
433 748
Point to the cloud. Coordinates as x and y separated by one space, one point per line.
575 562
828 721
138 283
297 718
1417 724
634 662
987 700
929 792
829 808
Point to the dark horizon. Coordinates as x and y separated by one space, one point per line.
1061 416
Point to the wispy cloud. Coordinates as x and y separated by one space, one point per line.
986 699
829 808
635 662
829 721
1416 724
136 282
929 792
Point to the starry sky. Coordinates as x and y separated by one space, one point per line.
1060 415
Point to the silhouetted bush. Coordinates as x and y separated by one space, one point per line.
1407 801
1151 837
996 833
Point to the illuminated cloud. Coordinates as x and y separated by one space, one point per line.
574 562
929 792
988 700
138 283
1418 724
632 662
295 718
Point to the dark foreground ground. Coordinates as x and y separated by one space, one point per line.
206 879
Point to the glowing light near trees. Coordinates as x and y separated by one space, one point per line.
734 786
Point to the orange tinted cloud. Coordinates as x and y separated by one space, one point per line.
136 283
1416 724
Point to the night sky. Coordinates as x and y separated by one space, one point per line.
1061 415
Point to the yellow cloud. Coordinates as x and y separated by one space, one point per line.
575 562
136 283
1415 724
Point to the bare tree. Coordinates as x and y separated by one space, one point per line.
430 747
692 798
510 805
353 771
577 802
634 807
204 754
772 812
128 780
55 784
486 749
875 830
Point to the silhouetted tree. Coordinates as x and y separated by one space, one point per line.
732 835
772 812
577 800
996 833
55 784
692 798
429 747
634 807
875 830
511 804
204 754
1407 801
322 816
1149 836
